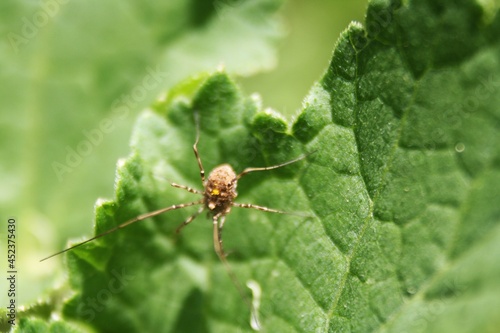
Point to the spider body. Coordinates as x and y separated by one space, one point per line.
220 190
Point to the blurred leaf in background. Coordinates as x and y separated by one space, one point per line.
312 27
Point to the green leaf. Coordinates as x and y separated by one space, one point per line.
403 186
74 77
40 326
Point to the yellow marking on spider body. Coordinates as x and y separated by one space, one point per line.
215 191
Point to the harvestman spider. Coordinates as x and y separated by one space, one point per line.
218 198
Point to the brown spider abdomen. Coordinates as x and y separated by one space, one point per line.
220 190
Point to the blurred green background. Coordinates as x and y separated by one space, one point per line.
63 76
313 28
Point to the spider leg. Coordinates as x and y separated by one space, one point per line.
270 210
262 208
189 189
129 222
195 146
189 220
219 249
248 170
